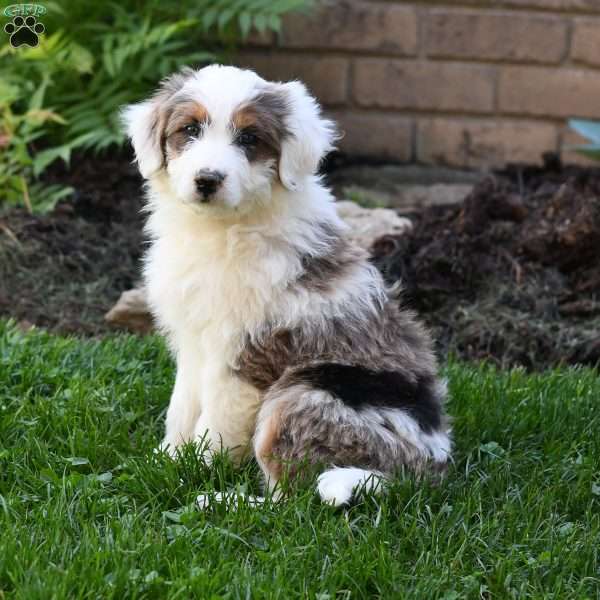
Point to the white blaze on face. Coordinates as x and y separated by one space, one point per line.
214 151
222 93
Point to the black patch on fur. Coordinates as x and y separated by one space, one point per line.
359 387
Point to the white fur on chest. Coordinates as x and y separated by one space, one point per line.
216 287
220 279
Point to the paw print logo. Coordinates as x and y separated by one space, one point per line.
24 32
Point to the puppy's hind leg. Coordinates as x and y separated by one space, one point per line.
266 438
306 430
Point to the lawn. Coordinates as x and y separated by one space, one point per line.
87 510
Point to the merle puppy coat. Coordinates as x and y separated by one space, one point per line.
287 341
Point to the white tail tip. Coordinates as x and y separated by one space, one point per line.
338 485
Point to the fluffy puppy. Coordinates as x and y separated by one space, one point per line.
287 341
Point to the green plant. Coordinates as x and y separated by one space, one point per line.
19 132
591 131
65 94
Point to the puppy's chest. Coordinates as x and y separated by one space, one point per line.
214 285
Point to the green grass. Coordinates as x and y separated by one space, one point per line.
87 510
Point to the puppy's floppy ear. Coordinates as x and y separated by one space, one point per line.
143 123
309 136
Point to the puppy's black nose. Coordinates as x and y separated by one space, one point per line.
207 183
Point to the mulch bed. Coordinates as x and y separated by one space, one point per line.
512 275
70 266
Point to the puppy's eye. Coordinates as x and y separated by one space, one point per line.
193 130
247 138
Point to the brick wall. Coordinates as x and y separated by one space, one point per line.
459 82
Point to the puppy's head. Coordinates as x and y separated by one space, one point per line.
222 136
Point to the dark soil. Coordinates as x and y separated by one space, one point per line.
64 270
512 275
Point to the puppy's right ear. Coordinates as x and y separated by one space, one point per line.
142 123
145 123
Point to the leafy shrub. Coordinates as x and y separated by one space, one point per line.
65 93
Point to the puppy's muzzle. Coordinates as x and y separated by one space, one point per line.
207 183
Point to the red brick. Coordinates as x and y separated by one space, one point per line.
375 135
559 5
549 92
496 36
325 76
591 6
352 25
260 39
423 85
483 143
585 46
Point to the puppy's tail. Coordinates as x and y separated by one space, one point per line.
338 485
